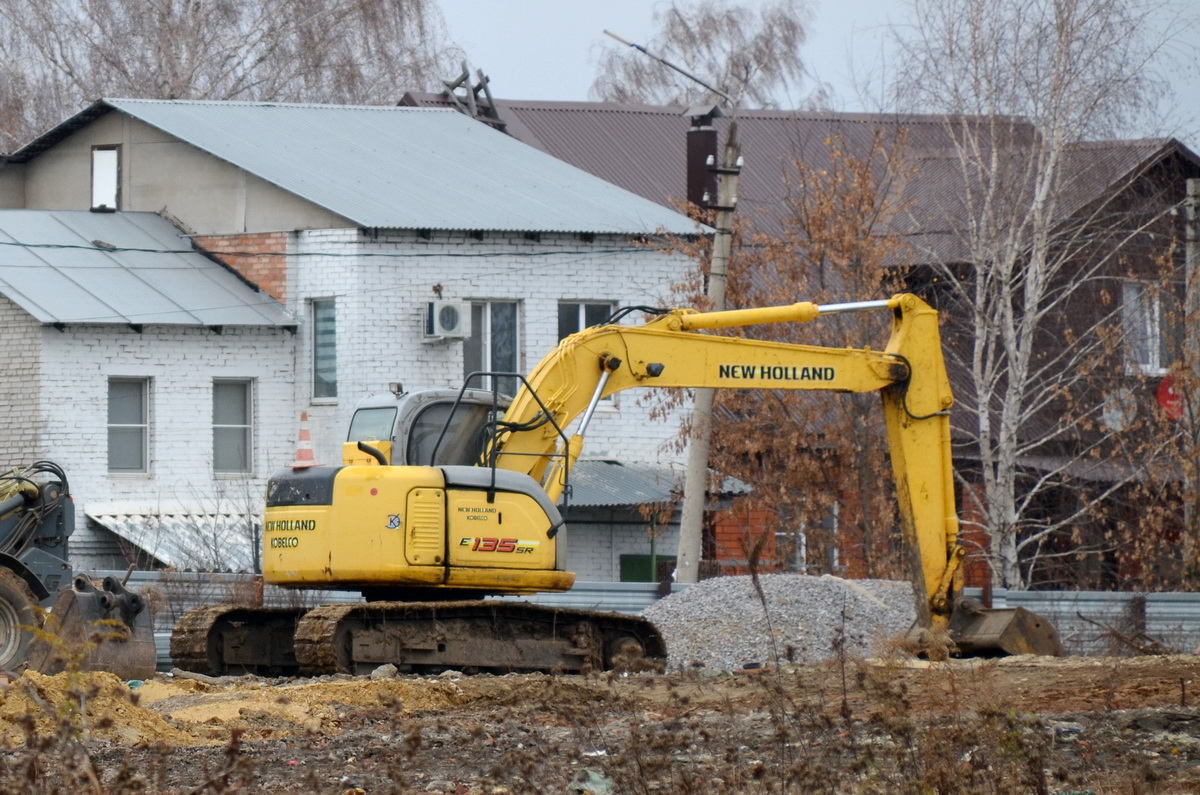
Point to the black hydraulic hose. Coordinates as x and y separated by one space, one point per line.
903 385
628 310
539 419
58 472
24 532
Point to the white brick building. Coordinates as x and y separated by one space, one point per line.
384 301
175 335
354 219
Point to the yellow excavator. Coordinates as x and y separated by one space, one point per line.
446 497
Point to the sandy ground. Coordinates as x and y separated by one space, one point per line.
1024 724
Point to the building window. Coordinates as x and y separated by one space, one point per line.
575 316
106 178
1149 319
493 345
324 342
233 427
791 550
128 424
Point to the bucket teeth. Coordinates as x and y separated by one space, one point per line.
977 631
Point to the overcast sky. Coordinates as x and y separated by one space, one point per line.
548 49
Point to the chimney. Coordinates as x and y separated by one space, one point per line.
701 145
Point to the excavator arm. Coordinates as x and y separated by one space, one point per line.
675 351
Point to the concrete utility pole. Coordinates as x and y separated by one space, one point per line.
695 484
1188 381
1191 287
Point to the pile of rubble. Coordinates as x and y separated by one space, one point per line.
725 624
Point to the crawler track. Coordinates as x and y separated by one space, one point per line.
474 636
221 639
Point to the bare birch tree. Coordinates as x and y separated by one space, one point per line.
750 52
61 54
1040 229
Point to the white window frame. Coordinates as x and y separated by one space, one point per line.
141 425
106 178
480 350
795 544
244 429
329 393
1142 329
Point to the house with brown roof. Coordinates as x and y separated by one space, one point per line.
1118 223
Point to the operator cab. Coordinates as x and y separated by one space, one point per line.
414 421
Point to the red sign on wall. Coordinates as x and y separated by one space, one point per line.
1169 397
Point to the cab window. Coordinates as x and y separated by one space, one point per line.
372 425
464 442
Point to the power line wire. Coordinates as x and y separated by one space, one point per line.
109 249
515 269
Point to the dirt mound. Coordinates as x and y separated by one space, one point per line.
94 706
282 710
181 712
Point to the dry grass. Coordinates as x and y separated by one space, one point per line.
848 726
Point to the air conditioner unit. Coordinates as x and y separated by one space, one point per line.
447 320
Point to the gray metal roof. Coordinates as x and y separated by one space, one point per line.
608 484
405 168
605 483
189 541
128 268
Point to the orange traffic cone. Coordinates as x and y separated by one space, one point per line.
304 451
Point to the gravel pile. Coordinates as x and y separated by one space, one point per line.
720 623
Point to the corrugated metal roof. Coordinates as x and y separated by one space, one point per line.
609 484
82 267
404 168
604 483
643 148
191 541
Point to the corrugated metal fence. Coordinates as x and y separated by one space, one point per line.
1105 622
1090 622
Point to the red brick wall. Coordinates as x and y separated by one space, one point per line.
977 573
735 533
260 257
851 543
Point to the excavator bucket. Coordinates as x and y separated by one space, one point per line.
984 632
105 628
